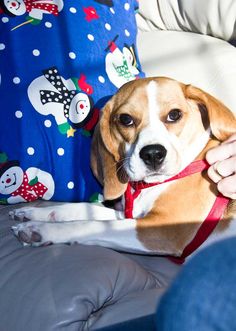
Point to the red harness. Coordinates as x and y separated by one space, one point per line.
208 225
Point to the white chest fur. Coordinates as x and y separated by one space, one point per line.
144 202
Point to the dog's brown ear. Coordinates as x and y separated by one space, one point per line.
105 158
222 121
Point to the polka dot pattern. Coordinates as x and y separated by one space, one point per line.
18 114
90 37
5 19
30 190
16 80
30 150
69 58
48 123
73 10
72 55
36 52
47 7
70 185
60 151
48 25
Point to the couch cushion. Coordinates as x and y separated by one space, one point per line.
203 61
77 287
59 62
212 17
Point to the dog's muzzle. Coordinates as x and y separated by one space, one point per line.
153 155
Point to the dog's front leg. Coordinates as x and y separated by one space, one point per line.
116 234
65 212
149 235
127 235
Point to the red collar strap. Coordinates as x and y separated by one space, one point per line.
134 189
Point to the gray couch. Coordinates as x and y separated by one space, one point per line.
76 287
80 287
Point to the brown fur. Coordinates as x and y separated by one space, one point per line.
178 213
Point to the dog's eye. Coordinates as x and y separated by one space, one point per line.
174 115
126 120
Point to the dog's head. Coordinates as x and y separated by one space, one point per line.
152 129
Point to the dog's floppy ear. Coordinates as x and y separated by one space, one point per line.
222 121
105 158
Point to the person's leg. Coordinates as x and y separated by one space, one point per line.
145 323
203 296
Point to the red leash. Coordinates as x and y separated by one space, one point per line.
206 228
134 189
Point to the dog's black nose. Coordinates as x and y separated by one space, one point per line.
153 155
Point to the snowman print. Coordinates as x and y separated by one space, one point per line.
25 186
34 8
51 94
121 66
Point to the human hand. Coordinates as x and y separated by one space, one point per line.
223 167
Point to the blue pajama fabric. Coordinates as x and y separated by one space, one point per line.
203 296
60 61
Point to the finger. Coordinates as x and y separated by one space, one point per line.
227 167
227 186
221 152
213 174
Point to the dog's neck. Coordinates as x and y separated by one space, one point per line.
134 188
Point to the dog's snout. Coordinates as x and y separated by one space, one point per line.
153 155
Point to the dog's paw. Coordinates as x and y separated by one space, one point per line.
26 214
32 233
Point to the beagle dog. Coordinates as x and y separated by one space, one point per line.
149 150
